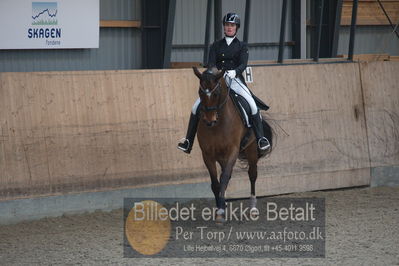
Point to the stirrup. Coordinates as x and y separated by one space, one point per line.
267 146
184 145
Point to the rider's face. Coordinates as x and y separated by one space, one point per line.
230 29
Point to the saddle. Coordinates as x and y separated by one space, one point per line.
244 110
242 106
261 105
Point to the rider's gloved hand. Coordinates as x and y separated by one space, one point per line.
231 73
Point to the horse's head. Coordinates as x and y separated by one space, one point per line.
212 92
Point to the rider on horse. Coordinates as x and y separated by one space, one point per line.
231 55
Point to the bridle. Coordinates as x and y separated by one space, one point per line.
215 107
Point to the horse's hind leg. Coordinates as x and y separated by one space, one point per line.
253 175
252 156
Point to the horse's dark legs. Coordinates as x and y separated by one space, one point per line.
253 174
224 181
216 188
227 169
211 165
252 156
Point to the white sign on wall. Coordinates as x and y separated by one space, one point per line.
49 24
248 75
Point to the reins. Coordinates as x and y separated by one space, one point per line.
219 106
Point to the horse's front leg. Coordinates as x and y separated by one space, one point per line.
227 169
210 163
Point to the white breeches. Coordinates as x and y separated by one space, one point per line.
239 88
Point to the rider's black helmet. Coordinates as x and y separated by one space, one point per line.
232 18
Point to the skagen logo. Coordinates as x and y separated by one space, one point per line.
44 13
44 18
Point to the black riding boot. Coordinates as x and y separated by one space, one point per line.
188 142
256 121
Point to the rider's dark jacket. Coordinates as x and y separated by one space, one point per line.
229 57
232 57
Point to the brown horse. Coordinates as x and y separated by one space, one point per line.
220 132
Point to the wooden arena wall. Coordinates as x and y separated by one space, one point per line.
318 116
380 81
68 132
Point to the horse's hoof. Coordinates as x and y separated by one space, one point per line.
220 219
254 211
252 203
